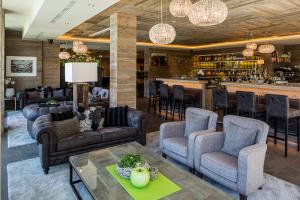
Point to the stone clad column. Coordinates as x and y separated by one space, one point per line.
2 39
123 60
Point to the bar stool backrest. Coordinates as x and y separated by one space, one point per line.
220 98
245 101
178 92
164 91
277 105
152 88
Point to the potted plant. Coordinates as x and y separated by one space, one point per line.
129 162
9 87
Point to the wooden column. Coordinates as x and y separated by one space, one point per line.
146 69
123 60
2 44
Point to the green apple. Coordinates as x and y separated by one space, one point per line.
140 177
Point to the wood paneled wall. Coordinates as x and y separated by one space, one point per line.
47 60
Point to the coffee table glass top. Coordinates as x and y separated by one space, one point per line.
101 185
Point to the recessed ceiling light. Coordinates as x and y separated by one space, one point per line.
91 5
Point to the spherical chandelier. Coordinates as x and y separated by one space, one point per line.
80 49
76 43
162 33
266 48
208 12
248 52
251 45
64 55
179 8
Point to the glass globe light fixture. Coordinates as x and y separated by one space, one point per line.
208 12
80 49
266 48
64 55
162 34
180 8
76 43
248 52
251 45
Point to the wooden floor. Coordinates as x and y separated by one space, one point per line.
276 164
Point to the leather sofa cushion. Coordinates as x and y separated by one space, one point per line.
66 128
221 164
79 140
116 116
116 133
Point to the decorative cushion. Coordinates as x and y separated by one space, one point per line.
33 95
58 93
116 116
195 122
62 116
96 91
66 128
91 116
237 138
104 93
85 122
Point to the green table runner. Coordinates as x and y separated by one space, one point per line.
157 189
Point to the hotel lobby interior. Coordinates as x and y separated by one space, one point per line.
150 99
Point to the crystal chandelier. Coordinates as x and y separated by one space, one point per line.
179 8
162 33
76 43
251 45
80 49
266 48
64 55
208 12
248 52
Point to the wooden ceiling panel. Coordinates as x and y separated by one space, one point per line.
276 17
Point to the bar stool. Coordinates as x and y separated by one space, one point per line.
278 108
164 98
221 101
178 100
153 96
246 103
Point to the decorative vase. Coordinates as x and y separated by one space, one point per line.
9 92
140 177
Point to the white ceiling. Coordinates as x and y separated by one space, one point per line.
48 19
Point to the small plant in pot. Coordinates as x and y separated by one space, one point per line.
128 162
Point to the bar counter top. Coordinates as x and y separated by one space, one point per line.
291 90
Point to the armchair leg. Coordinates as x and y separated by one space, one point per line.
199 174
192 170
260 188
46 170
243 197
163 155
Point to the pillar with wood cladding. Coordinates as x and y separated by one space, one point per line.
123 28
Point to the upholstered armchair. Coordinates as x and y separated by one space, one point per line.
235 157
177 138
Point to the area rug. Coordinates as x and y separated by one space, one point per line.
17 134
26 181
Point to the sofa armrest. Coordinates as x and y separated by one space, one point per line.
191 144
251 168
206 143
42 126
137 119
171 129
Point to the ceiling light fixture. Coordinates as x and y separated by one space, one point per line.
248 52
266 48
208 12
162 33
91 5
64 54
100 32
180 8
79 48
251 45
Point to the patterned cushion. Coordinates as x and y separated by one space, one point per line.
195 122
66 128
237 138
116 117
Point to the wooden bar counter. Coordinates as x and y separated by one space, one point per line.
189 84
293 92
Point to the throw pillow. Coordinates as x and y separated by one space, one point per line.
66 128
58 93
116 116
195 122
91 119
237 138
62 116
33 95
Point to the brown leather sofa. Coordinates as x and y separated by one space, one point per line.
55 151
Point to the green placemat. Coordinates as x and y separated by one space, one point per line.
157 189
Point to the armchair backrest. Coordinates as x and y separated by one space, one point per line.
248 123
199 119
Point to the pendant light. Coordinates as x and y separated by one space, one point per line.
208 12
162 33
64 54
251 45
180 8
266 48
79 48
248 52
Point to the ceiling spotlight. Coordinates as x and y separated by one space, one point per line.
67 22
91 5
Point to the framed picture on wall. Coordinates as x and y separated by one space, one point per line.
21 66
159 59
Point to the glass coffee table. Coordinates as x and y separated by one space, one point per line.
90 169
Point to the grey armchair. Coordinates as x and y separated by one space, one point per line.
242 173
177 138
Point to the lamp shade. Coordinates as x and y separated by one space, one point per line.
81 72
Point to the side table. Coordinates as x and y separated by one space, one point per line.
6 99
